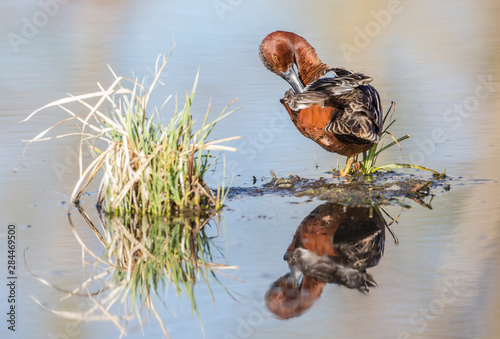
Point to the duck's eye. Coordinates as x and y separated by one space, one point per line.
275 57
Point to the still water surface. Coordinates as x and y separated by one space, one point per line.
439 62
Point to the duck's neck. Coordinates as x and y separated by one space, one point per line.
310 66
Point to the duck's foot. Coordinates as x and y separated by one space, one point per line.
347 168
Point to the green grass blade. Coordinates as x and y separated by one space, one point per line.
398 166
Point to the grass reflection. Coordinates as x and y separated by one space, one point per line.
144 255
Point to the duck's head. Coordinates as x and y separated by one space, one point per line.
277 52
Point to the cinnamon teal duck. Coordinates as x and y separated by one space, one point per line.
342 113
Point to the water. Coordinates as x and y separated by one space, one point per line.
438 61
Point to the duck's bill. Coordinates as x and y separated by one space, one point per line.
292 77
296 275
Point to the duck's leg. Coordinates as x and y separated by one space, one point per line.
347 167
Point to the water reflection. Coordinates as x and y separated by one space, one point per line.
333 244
139 259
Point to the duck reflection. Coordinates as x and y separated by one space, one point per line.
333 244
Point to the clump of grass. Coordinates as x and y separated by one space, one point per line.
368 164
148 168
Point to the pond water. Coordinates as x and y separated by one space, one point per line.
439 61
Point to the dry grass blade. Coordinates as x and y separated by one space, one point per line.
399 145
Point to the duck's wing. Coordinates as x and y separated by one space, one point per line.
359 114
304 100
338 85
320 91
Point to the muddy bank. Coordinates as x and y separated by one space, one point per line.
387 188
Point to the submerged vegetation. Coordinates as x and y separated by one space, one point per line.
148 168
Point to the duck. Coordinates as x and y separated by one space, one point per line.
336 108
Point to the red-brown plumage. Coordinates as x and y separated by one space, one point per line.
342 114
311 121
